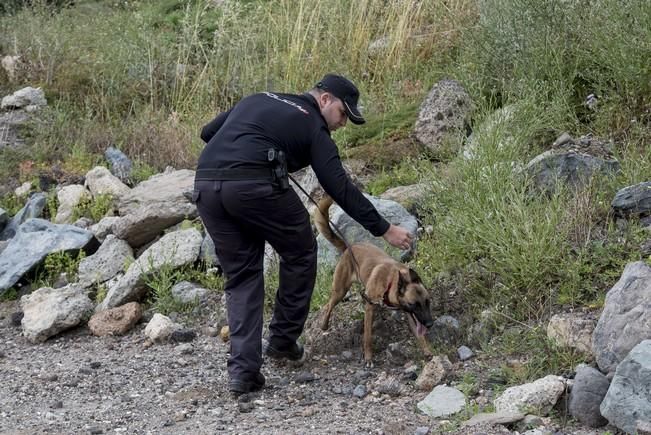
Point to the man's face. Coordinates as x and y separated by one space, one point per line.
332 109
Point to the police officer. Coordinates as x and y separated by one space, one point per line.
242 196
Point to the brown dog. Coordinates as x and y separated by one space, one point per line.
386 281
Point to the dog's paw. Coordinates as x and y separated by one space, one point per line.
369 364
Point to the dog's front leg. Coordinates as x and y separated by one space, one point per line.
368 335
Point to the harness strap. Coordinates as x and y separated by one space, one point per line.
235 174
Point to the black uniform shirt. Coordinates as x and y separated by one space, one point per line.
241 137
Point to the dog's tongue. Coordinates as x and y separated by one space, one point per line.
420 329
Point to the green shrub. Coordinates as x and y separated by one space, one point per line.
93 208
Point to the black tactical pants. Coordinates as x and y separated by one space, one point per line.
240 216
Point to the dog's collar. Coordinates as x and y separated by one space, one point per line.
384 302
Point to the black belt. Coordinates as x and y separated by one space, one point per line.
235 174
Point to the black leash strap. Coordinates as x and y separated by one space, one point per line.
341 236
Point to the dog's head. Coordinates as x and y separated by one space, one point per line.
414 299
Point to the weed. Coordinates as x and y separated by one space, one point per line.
56 264
93 208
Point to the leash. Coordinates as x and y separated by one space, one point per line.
349 247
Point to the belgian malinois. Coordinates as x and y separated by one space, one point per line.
386 281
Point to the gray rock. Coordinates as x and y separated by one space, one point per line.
24 99
120 164
33 209
172 250
187 292
633 200
628 400
109 260
355 233
360 391
540 395
207 253
100 181
446 111
169 188
446 330
37 238
589 389
464 353
442 401
573 168
10 124
492 418
49 311
624 321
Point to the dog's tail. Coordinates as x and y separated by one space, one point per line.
322 223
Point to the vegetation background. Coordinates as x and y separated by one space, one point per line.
144 76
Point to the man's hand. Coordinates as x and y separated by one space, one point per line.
398 237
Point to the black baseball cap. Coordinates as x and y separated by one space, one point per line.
346 91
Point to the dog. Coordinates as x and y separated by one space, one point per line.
386 281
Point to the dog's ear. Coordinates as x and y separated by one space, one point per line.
402 281
413 276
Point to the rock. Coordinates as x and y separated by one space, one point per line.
49 311
104 227
225 333
35 239
464 353
493 418
623 322
355 233
69 197
633 200
628 400
360 391
445 331
172 250
27 98
100 181
109 260
120 164
572 330
116 321
446 111
498 127
172 189
23 189
160 328
434 372
410 197
589 389
183 335
540 395
442 401
187 292
207 253
33 209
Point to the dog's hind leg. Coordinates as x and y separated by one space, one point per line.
341 282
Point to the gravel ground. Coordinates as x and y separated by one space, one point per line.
76 383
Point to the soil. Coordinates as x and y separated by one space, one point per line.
76 383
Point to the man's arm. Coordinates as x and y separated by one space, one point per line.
332 176
210 129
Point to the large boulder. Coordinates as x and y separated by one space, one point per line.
624 321
446 111
355 233
172 250
628 401
35 239
170 187
48 311
633 200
